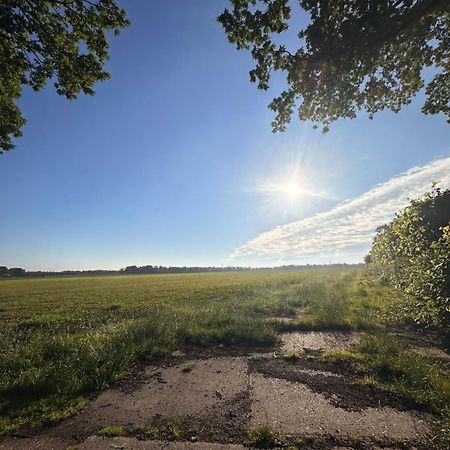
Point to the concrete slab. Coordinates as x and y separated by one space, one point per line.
34 443
193 388
292 408
186 389
121 443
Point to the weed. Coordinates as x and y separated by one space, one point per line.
174 431
354 439
304 440
392 367
343 304
111 431
414 376
264 437
342 355
153 432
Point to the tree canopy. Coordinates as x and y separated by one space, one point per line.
62 40
353 55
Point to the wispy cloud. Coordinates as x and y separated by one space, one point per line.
345 232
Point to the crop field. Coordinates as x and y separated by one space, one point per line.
63 339
79 304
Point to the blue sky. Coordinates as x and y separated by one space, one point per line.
173 161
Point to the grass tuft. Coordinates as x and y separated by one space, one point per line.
153 432
111 431
175 431
264 437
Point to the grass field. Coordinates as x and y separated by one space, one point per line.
64 339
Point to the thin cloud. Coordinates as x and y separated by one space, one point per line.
346 231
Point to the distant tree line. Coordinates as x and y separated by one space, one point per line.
184 269
413 253
149 269
12 272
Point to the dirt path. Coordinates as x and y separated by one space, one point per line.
212 403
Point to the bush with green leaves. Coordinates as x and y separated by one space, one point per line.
413 253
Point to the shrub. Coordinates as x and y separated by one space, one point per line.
413 253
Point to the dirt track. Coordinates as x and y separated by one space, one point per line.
200 403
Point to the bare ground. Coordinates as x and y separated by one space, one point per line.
212 401
300 342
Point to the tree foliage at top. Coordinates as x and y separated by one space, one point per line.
63 40
353 55
413 253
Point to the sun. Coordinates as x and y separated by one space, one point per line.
291 190
291 185
284 193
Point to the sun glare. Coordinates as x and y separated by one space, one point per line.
285 194
291 190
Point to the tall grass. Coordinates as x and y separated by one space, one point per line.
345 303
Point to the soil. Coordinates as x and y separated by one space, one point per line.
211 399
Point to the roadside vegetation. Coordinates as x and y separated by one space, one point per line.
348 303
412 253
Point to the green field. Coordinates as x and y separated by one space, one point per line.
64 339
80 303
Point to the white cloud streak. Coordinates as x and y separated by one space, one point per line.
345 232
